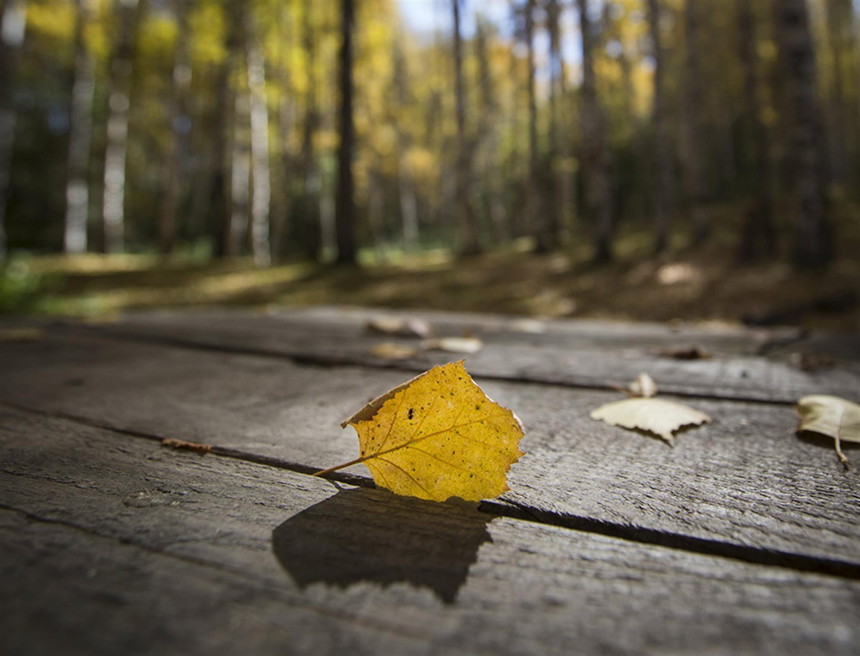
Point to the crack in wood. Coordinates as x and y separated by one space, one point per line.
512 509
332 361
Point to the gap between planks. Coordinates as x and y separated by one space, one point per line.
509 508
328 361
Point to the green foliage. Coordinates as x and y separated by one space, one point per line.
20 287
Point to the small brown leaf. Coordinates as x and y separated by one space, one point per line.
21 334
684 353
830 416
187 446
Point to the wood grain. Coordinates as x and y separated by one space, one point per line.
113 544
580 354
744 481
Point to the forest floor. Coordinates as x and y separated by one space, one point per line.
698 285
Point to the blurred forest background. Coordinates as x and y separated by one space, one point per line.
628 158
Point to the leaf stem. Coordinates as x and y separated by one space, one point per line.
842 458
323 472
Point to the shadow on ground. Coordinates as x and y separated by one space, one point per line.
378 537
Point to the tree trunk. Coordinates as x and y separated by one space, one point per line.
468 230
595 156
839 26
758 235
488 136
180 127
220 209
536 220
813 240
13 21
240 174
559 143
286 125
260 177
405 183
692 106
663 189
308 234
345 201
119 103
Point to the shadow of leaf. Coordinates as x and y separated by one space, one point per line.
373 535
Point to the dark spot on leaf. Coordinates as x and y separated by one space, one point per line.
411 413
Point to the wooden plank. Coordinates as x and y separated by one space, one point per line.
115 545
595 354
744 481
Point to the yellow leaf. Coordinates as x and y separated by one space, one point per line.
656 416
437 436
830 416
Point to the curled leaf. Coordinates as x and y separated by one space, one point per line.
437 436
830 416
662 418
644 386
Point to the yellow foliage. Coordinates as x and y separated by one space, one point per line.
52 19
438 436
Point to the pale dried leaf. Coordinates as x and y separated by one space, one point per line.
453 344
530 326
662 418
399 327
831 416
393 351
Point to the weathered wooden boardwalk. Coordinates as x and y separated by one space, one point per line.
741 539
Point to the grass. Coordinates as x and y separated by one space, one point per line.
701 285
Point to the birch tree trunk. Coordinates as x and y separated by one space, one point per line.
180 124
13 21
80 137
663 189
405 182
344 201
813 239
468 230
595 155
491 193
119 103
260 175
